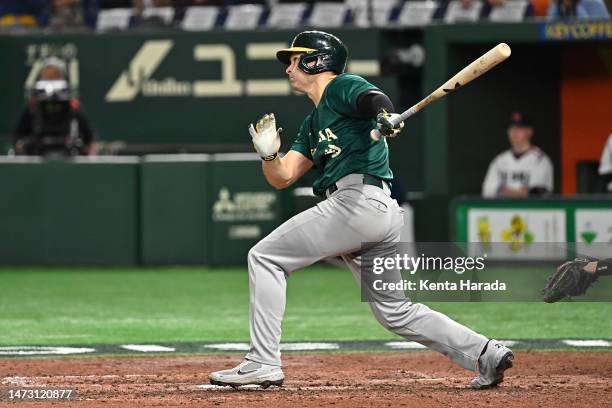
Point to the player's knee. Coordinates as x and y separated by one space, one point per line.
254 257
384 322
258 258
389 321
261 261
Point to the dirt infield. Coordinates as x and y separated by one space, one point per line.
424 379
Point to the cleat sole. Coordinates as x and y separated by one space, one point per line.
264 385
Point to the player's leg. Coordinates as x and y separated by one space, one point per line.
297 243
417 322
335 226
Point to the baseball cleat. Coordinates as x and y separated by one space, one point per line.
492 364
249 373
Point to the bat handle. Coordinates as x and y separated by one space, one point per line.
404 115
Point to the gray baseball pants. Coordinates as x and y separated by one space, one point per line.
354 214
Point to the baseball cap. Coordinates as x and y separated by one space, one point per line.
518 119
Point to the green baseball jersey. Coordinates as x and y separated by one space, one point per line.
337 140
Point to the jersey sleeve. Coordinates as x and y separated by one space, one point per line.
542 175
345 92
301 143
492 180
605 163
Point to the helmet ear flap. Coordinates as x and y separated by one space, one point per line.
305 63
321 61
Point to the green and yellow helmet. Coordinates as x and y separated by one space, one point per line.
326 50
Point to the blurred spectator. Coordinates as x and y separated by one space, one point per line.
491 4
466 4
189 3
52 122
110 4
306 1
522 170
605 164
24 13
581 9
72 13
142 4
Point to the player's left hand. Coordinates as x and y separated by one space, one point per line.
266 138
384 124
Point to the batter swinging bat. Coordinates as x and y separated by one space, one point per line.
483 64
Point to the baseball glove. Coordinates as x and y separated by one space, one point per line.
569 279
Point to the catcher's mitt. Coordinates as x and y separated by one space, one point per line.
569 279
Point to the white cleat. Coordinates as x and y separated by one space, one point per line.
492 364
249 373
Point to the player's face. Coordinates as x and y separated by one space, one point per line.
519 136
50 73
299 80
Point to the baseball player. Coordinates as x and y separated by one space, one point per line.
523 169
573 278
605 165
336 138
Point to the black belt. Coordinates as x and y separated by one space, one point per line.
367 179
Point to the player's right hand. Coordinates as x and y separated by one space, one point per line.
266 138
385 125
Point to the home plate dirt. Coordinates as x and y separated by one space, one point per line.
424 379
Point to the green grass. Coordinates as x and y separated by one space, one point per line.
88 306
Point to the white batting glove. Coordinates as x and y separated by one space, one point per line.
266 138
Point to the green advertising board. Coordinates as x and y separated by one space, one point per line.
174 205
77 213
574 225
158 210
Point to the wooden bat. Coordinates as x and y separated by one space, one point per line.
483 64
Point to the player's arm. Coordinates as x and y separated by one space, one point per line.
281 172
605 165
508 192
602 267
376 105
492 182
541 181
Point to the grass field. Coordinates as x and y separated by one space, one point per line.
115 305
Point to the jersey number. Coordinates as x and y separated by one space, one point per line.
329 137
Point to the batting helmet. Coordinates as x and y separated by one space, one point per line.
326 50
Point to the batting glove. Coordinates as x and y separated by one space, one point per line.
266 138
385 126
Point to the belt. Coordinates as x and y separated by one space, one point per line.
353 179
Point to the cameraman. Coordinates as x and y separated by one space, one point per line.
52 123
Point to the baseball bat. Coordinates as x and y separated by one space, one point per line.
483 64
